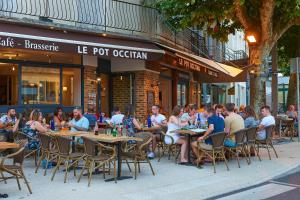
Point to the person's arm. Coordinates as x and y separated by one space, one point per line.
39 127
16 126
227 126
209 130
136 124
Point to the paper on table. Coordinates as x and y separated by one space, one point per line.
198 130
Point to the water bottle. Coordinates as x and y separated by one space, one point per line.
149 121
101 118
52 125
96 129
198 120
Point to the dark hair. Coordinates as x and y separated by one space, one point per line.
129 111
10 108
211 110
176 110
192 107
116 109
230 107
157 106
266 107
249 112
57 110
35 114
219 106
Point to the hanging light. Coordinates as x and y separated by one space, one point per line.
121 77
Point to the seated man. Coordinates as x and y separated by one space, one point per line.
233 123
79 122
190 116
90 115
157 120
201 116
215 124
267 120
117 117
8 125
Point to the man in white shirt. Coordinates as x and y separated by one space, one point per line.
267 120
117 118
79 122
157 120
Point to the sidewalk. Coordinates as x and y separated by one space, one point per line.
170 183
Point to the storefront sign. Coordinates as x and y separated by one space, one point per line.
38 43
195 67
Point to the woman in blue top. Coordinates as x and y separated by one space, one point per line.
130 124
250 117
32 128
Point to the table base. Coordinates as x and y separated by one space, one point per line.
118 178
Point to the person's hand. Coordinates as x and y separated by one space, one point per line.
200 138
71 124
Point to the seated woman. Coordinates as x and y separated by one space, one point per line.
130 123
250 117
32 127
174 124
59 117
292 113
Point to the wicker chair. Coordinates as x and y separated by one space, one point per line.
267 143
64 148
95 160
289 130
251 142
15 169
47 152
139 154
216 150
240 146
171 149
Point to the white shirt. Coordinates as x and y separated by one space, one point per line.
117 119
185 117
158 119
83 122
266 121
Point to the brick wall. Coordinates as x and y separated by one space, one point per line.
90 85
121 91
145 81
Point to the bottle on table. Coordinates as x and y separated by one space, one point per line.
149 122
114 131
96 129
52 124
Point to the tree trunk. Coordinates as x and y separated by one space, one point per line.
274 81
292 92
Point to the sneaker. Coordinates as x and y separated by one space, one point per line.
151 155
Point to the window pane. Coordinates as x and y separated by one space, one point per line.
8 84
71 87
178 94
40 85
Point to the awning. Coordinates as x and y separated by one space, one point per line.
210 64
42 39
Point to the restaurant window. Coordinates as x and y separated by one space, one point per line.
40 85
181 94
8 84
71 87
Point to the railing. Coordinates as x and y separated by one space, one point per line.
109 16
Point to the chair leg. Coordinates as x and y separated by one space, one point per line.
26 182
103 170
128 165
214 162
246 155
257 153
17 178
90 172
267 146
39 162
115 170
150 166
2 175
135 168
47 161
56 168
225 160
82 170
139 167
274 150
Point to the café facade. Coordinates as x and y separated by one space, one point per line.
46 67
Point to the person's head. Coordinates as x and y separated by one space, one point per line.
177 111
291 108
265 111
219 109
230 107
129 111
211 112
155 109
186 108
116 110
249 112
214 106
35 115
11 112
192 109
58 111
242 108
41 117
77 113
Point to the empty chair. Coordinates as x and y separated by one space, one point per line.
267 143
251 142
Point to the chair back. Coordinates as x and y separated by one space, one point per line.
164 129
269 131
63 145
19 155
45 141
89 146
251 134
240 136
218 140
146 137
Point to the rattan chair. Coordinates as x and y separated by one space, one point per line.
240 146
64 155
47 151
97 156
251 142
289 130
139 154
16 168
267 143
216 151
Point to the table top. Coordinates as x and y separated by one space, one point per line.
151 129
109 138
8 145
190 131
66 133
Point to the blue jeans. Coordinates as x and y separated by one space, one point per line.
229 143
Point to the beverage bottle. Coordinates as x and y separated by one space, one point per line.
101 118
96 129
52 125
149 121
114 131
198 120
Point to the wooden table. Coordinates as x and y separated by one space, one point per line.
189 133
281 118
66 133
5 146
151 129
116 141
